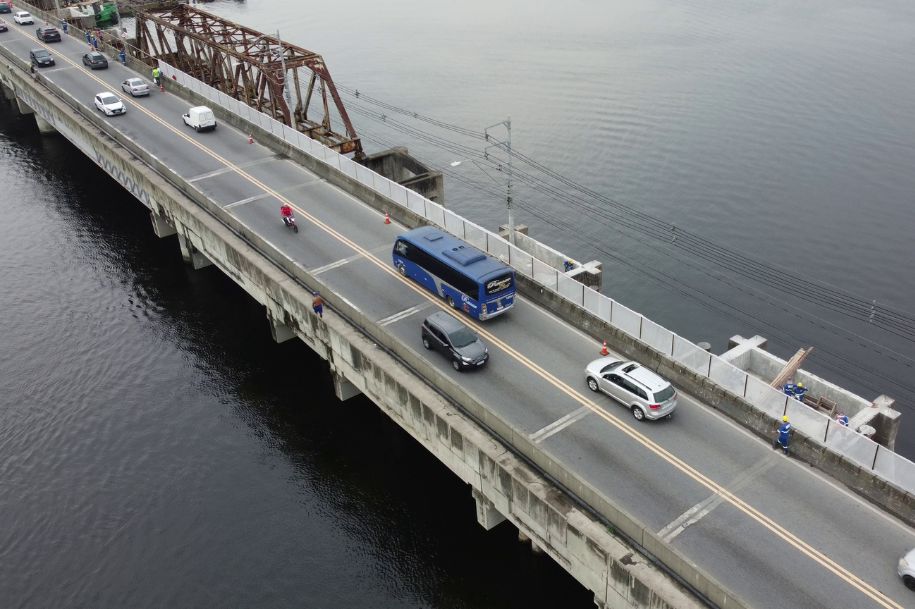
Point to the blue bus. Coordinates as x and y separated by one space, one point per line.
464 276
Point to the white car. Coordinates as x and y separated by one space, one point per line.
906 569
23 18
108 103
645 393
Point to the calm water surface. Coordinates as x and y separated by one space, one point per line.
154 452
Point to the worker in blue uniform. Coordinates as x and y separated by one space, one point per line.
789 389
784 434
799 391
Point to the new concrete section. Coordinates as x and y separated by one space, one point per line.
504 485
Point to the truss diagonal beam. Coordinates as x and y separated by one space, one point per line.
255 68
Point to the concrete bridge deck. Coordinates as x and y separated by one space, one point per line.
771 530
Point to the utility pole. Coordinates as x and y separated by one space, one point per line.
505 145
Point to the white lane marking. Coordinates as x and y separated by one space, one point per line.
263 195
224 170
335 264
559 424
403 314
704 507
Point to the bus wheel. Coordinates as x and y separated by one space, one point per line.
402 269
450 301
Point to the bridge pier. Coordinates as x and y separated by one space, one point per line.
279 330
192 255
343 389
162 226
7 92
44 127
487 514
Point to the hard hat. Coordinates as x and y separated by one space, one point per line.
785 418
800 384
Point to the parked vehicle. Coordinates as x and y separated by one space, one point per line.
109 104
137 87
443 333
23 18
906 569
41 58
95 60
200 118
465 277
47 33
645 393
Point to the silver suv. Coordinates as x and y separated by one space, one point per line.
644 392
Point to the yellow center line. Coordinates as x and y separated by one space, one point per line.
793 540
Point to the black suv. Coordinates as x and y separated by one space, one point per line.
444 333
48 34
41 58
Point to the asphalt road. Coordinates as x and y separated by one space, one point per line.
778 535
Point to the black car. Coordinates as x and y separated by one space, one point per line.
5 8
95 60
48 34
446 334
41 58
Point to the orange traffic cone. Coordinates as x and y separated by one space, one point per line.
387 218
251 138
604 350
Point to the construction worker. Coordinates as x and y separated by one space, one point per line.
789 389
799 391
784 433
157 75
842 419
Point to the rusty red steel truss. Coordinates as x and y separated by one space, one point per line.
250 66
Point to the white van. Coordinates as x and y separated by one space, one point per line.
200 118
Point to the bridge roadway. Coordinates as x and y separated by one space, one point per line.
780 535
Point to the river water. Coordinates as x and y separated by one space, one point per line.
157 449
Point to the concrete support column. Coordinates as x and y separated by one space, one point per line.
487 515
191 255
343 389
162 226
279 330
8 94
23 107
44 127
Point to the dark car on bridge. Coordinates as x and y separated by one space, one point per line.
47 33
3 27
95 60
444 333
41 58
6 7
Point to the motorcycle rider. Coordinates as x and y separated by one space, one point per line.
286 214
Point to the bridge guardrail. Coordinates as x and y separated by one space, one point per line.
813 424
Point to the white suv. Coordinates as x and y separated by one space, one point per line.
23 18
906 569
644 392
